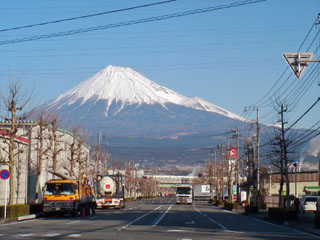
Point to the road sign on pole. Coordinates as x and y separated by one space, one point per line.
5 174
298 62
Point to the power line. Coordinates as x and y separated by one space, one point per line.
283 73
132 22
85 16
303 114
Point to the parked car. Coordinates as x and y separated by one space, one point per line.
308 203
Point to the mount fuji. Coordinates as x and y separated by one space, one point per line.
143 121
120 101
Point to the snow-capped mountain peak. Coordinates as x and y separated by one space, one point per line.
123 85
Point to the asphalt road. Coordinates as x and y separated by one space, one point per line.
152 219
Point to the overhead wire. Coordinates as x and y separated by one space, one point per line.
132 22
283 73
85 16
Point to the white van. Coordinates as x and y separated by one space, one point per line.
308 203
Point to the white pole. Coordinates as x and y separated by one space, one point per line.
5 199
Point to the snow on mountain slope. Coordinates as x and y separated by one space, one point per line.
127 87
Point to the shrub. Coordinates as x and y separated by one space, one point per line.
14 211
317 220
228 205
251 209
130 199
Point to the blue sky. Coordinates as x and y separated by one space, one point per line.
230 57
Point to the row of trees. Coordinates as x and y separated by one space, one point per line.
224 171
46 142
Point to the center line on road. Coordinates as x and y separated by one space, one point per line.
162 216
137 219
220 225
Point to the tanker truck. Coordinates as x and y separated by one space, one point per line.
67 196
109 191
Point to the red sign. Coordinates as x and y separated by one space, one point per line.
233 152
4 174
107 186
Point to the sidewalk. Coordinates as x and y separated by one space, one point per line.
305 222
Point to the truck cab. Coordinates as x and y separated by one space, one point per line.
184 195
66 196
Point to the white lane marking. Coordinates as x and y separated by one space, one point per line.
189 223
229 211
73 222
25 234
220 225
223 227
137 219
272 224
178 230
162 216
74 235
287 228
50 235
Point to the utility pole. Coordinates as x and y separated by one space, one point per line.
257 152
237 162
284 155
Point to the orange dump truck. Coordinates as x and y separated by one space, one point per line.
66 196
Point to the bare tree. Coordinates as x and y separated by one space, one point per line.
104 162
281 142
42 149
129 177
14 100
70 164
56 142
210 171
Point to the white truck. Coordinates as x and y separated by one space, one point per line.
184 194
201 192
109 191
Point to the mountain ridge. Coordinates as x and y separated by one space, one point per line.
128 87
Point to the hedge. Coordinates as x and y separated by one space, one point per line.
17 210
251 209
228 205
317 220
282 214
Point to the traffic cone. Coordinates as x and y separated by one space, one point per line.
83 212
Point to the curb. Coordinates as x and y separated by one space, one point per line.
29 217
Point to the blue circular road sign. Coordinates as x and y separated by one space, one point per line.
4 174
